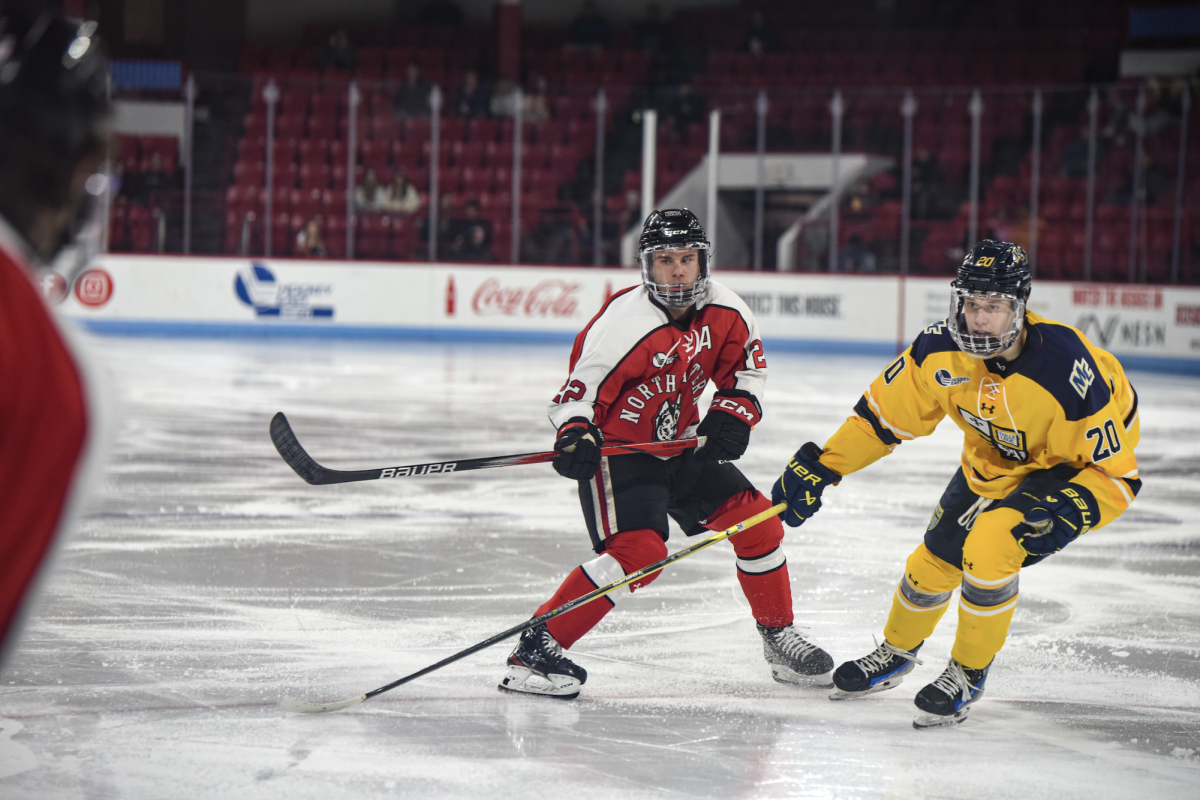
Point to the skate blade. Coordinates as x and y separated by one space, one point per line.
522 680
783 674
926 721
882 686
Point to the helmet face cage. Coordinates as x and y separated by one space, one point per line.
676 295
976 345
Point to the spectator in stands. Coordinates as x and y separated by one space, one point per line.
999 227
1154 181
855 256
370 195
1018 231
337 53
687 107
153 179
537 106
631 215
401 196
504 98
1074 162
1120 122
412 98
472 235
473 98
860 200
119 183
309 241
589 29
760 37
447 224
926 182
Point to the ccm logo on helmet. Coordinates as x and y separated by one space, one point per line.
734 406
420 469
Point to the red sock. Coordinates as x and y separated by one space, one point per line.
569 627
770 596
632 550
769 593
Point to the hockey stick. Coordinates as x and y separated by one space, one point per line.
301 707
317 475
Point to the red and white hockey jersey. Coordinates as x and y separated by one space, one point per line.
638 374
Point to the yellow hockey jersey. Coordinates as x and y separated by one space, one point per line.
1061 401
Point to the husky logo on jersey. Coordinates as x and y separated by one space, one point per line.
666 421
944 377
1082 377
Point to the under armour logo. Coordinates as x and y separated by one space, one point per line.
987 409
968 564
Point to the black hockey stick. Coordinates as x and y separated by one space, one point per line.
308 469
301 707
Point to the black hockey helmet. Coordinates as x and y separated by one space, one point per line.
996 268
54 109
997 272
674 229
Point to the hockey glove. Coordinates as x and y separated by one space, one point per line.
727 425
801 485
1059 519
578 443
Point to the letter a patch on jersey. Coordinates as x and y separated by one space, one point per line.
1082 377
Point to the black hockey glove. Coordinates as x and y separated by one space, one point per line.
1059 519
801 485
727 425
578 443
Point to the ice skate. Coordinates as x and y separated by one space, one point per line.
947 701
793 658
538 666
885 668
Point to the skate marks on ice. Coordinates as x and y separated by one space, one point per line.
209 581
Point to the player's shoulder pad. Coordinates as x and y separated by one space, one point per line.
722 296
625 319
1062 363
934 339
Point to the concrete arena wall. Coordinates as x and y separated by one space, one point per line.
1149 327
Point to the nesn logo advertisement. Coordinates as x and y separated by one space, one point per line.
256 286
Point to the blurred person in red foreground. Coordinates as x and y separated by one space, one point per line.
53 129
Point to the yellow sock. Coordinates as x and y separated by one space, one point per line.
921 598
981 632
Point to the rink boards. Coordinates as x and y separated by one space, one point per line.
1154 327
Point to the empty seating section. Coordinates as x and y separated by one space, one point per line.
813 49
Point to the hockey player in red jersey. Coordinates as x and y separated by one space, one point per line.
53 122
636 375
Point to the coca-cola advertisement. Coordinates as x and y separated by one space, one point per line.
550 298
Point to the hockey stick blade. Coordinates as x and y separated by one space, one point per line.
313 473
300 707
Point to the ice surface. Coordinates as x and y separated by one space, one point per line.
208 581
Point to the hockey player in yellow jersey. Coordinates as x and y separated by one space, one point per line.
1050 424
